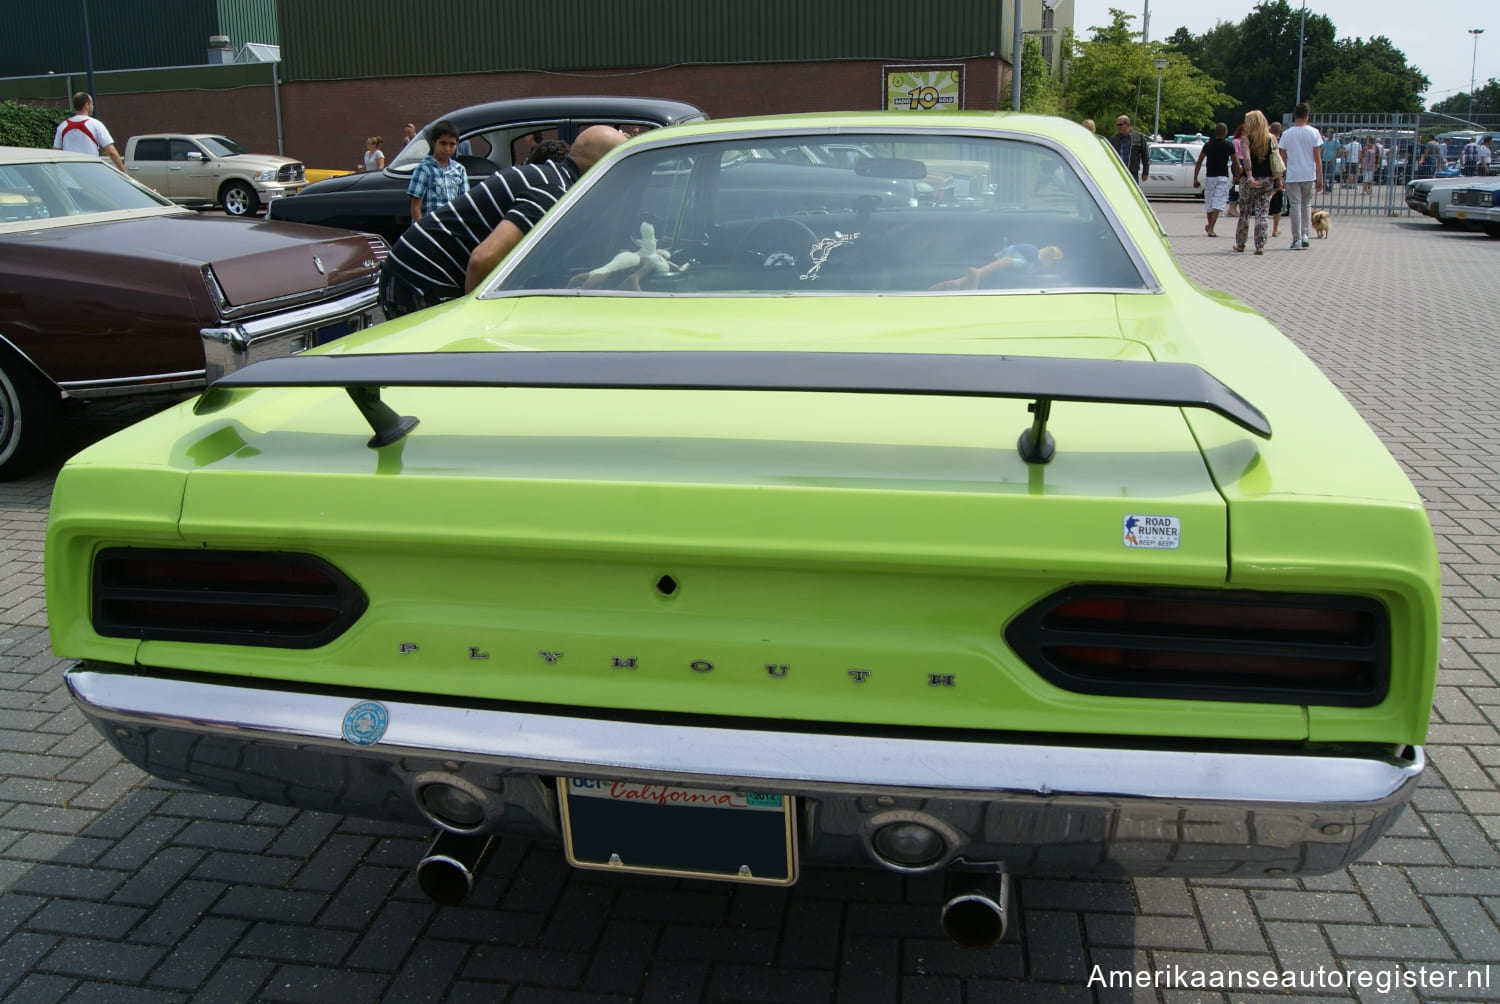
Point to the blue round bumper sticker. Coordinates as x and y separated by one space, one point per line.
365 723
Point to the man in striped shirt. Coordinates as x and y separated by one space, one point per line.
450 250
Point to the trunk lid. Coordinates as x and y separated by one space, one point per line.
647 535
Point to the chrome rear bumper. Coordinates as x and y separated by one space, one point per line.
237 344
1041 809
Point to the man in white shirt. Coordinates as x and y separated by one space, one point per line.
1351 161
1303 146
82 133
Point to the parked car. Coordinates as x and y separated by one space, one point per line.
107 289
723 539
498 133
1431 197
204 170
1171 170
1476 205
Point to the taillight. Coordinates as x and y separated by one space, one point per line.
1273 648
266 598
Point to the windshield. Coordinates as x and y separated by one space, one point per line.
805 215
221 146
71 188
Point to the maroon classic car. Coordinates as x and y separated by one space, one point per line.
108 290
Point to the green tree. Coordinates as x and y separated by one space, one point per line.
28 125
1257 60
1371 77
1040 91
1486 101
1112 67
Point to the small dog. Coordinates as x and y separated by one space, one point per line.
1321 222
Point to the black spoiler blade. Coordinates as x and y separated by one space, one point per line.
1038 379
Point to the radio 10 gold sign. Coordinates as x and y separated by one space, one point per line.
924 88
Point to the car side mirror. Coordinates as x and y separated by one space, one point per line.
194 155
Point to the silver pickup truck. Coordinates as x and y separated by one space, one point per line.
201 169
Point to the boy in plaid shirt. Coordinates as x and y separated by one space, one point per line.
438 179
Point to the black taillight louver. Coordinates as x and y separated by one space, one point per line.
1215 645
266 598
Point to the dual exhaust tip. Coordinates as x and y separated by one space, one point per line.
975 910
976 898
976 906
450 868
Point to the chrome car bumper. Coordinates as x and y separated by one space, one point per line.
1040 809
231 346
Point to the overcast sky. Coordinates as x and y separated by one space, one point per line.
1434 36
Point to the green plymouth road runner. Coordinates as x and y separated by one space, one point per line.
839 489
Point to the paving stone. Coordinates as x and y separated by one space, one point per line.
108 960
1469 926
869 971
199 955
620 962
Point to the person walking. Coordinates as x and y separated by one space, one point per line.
1133 148
82 133
450 250
1468 158
1262 177
1351 161
1278 198
374 156
1433 158
1236 169
1216 156
1369 163
1302 145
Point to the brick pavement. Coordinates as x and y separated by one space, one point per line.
117 888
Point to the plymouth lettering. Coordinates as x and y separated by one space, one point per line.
620 663
940 679
408 647
777 671
859 675
702 666
474 653
551 657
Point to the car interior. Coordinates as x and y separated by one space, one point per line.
865 214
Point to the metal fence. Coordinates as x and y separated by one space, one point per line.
1369 158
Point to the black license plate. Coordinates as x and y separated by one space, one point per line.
734 836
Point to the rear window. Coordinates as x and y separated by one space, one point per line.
70 188
864 214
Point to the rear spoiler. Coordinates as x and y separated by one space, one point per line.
1041 380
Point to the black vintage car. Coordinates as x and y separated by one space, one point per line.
498 134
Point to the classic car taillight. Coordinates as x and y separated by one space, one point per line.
267 598
1275 648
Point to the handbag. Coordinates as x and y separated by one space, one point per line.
1278 166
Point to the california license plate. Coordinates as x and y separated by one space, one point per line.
734 836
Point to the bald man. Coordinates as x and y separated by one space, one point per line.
452 249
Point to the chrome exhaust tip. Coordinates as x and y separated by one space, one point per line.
450 868
975 913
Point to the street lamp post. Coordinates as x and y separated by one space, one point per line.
1015 51
1476 32
1160 64
1301 34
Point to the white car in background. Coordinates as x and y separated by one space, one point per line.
1171 171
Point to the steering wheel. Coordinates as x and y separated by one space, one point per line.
778 242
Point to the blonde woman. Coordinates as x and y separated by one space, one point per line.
1258 182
